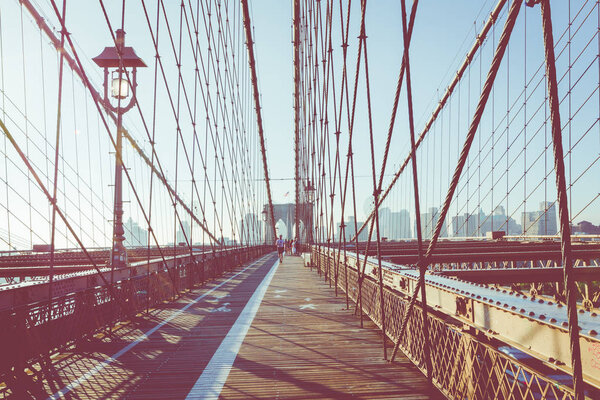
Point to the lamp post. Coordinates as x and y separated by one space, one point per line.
310 193
264 218
310 198
118 59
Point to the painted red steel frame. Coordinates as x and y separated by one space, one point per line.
533 325
82 307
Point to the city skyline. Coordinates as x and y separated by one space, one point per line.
396 225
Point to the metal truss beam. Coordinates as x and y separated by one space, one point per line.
506 276
532 325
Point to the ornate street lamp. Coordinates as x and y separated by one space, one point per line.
118 59
264 218
310 193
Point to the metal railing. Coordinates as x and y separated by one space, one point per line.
32 330
466 364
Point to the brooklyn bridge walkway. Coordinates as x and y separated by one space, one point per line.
267 330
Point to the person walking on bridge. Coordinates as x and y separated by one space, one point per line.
280 247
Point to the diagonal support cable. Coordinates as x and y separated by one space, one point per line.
487 88
385 155
96 96
50 199
252 62
563 210
442 103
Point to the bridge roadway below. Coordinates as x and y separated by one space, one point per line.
267 330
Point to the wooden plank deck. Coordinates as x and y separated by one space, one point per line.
304 344
301 344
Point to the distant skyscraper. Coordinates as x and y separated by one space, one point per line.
351 231
500 222
135 236
181 238
473 225
542 222
428 222
549 218
385 223
466 225
400 225
348 229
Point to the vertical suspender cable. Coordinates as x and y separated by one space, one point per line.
252 62
297 112
563 207
459 74
363 37
422 266
489 83
63 32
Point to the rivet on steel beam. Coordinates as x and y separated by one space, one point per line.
531 313
553 320
594 314
522 310
593 332
541 301
581 311
565 324
506 305
542 316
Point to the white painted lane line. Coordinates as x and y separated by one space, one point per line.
99 367
210 383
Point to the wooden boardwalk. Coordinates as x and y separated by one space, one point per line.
304 344
262 332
